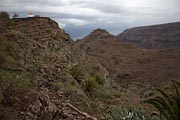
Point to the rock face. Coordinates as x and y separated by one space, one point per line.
40 57
156 36
49 105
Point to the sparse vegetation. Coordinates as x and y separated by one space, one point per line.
65 87
10 82
99 80
127 114
90 85
48 31
77 73
37 66
4 16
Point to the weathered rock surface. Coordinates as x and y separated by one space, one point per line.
48 105
45 54
156 36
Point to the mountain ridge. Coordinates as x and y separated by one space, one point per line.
134 71
153 36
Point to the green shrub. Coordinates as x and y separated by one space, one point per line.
90 84
77 73
65 86
99 80
106 94
48 31
8 53
4 17
10 82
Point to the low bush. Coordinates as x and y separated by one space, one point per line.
65 86
11 82
48 31
99 80
77 73
90 84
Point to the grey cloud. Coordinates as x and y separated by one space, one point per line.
105 7
114 15
38 2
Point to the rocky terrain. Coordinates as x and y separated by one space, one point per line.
156 36
126 62
135 71
43 75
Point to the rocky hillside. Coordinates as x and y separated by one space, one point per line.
156 36
43 75
135 72
128 63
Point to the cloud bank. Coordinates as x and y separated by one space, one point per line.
79 17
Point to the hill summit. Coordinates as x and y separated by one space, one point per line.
99 33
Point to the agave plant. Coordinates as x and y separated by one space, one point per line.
167 102
128 114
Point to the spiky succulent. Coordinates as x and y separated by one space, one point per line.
167 102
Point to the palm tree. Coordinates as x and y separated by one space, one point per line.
167 102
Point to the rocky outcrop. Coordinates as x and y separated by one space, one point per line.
48 105
44 54
156 36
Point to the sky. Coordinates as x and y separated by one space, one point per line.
80 17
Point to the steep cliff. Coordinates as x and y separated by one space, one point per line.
156 36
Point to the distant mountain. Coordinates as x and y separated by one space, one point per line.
134 71
156 36
127 62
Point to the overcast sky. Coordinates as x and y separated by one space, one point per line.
79 17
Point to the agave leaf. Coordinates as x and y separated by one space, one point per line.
177 83
168 107
175 88
158 106
177 103
168 103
